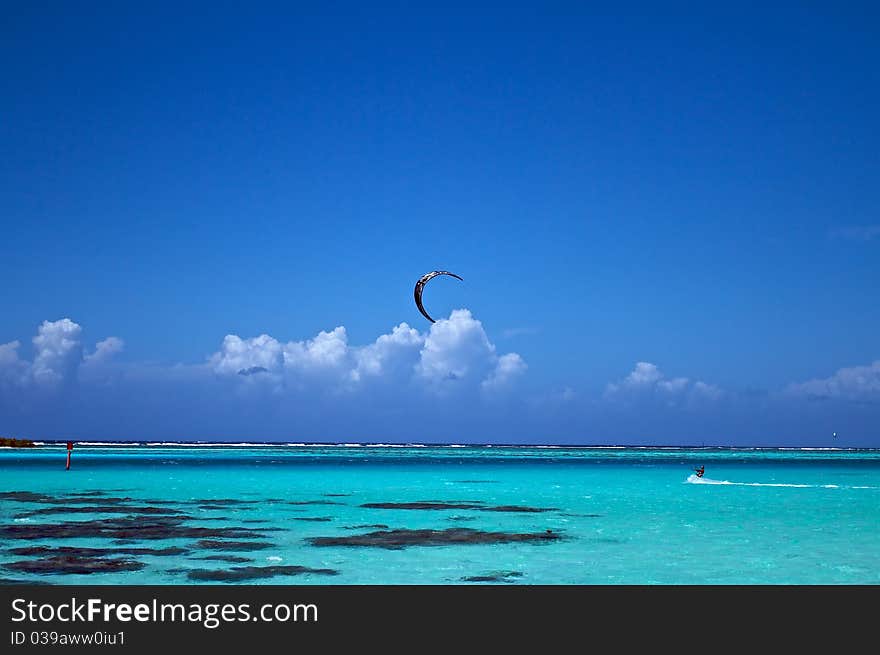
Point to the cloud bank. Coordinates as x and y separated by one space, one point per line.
647 381
455 353
447 384
857 383
58 357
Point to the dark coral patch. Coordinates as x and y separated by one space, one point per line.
96 552
518 508
11 581
223 501
157 527
25 497
451 536
438 504
427 504
69 564
99 509
73 499
240 573
497 576
233 559
314 502
374 526
317 519
210 544
201 519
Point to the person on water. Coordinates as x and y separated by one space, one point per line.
700 471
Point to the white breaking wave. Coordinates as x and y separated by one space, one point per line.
108 444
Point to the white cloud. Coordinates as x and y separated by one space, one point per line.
58 351
647 380
507 368
237 354
675 385
454 350
326 351
458 350
105 349
709 391
389 374
389 351
58 356
859 383
644 375
12 368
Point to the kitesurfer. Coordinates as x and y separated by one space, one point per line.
69 450
700 471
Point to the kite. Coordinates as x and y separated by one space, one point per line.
420 286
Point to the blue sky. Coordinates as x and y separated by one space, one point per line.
666 219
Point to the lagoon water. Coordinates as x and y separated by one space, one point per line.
615 515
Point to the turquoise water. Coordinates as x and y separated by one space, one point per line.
616 515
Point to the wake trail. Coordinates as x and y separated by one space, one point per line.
693 479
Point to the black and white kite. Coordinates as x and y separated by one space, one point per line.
420 286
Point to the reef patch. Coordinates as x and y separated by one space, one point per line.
404 538
242 573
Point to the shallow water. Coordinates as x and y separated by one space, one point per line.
616 515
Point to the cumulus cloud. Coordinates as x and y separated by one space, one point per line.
12 368
709 391
237 354
58 356
58 351
327 353
328 350
323 386
647 380
456 348
388 353
454 352
105 349
856 383
644 374
507 368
